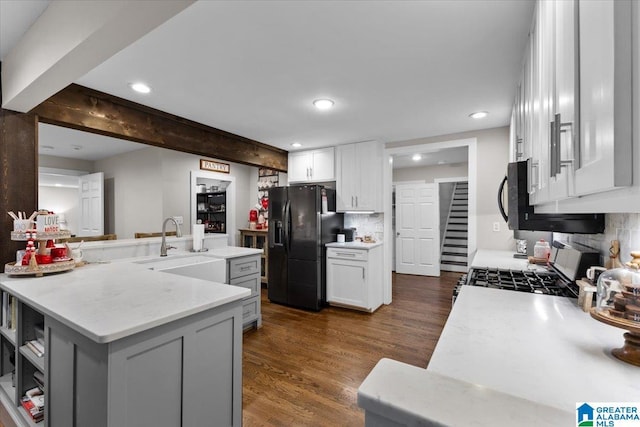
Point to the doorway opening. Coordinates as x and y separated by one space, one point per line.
454 224
466 172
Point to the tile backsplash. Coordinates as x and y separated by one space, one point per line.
366 224
624 227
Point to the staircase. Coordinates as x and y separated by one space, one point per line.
453 254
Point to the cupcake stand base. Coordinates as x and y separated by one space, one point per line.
630 351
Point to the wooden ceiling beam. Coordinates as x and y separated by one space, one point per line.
89 110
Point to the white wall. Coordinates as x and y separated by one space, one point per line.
154 183
45 161
492 159
430 173
61 200
137 190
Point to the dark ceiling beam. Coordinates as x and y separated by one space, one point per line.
89 110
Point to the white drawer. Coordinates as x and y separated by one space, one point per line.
250 309
244 266
352 254
249 282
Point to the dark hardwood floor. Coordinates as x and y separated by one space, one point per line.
304 368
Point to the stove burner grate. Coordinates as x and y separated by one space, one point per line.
548 283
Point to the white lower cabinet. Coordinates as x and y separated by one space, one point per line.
354 277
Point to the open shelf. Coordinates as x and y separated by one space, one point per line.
28 419
6 385
36 361
9 334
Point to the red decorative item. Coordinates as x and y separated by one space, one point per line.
50 244
253 215
265 203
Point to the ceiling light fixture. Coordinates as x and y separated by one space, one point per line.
479 115
296 145
416 157
47 147
323 104
442 162
140 87
77 147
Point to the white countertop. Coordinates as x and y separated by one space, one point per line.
106 302
536 347
232 252
354 245
489 258
408 395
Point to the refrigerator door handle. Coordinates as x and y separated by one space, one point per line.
286 215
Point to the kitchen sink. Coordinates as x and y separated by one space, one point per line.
196 266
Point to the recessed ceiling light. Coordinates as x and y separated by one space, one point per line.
479 115
77 147
442 162
47 147
296 145
323 104
140 87
416 157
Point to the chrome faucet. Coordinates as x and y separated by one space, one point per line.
163 245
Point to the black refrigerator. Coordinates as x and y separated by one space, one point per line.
298 231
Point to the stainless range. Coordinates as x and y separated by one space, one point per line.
566 264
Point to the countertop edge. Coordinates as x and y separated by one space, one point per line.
354 245
12 285
398 391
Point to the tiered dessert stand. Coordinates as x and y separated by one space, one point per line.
33 268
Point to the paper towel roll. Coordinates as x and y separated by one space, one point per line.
198 236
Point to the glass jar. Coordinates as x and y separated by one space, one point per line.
618 292
542 249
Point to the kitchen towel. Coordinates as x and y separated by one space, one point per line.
198 236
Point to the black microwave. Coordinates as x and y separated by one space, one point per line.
521 215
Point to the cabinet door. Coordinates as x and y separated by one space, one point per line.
299 166
542 103
346 178
564 131
368 196
323 165
605 96
347 283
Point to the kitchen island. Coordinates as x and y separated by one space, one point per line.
127 345
540 354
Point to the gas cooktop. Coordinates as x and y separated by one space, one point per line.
548 283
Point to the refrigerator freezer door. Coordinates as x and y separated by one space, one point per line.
304 222
278 277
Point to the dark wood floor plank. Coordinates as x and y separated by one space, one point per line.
304 368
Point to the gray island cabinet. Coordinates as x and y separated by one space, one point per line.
243 269
126 346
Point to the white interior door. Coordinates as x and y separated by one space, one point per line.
417 229
91 204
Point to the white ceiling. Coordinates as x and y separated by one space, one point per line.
446 156
397 70
16 16
63 142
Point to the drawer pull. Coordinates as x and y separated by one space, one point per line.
345 254
245 268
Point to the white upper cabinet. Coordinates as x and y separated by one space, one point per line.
572 116
359 177
312 165
563 126
605 160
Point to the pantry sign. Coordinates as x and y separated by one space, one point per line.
210 165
